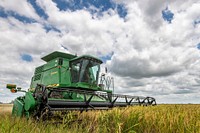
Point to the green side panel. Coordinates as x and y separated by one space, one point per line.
54 72
18 107
51 76
51 64
37 77
39 69
29 101
65 76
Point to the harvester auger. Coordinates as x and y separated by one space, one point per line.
69 82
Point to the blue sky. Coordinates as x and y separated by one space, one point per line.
38 9
150 47
24 19
26 57
167 15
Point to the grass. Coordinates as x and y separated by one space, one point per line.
152 119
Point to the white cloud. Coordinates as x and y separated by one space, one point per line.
21 7
82 33
18 38
168 49
151 57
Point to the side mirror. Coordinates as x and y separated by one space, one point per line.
12 87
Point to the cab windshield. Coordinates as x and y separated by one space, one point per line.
85 70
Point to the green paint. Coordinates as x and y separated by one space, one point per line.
18 107
29 101
66 70
61 70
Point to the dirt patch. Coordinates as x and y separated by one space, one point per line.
6 108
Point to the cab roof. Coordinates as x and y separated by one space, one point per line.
57 54
71 57
88 57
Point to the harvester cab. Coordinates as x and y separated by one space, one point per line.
66 70
70 82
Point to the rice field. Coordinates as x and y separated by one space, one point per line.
137 119
6 108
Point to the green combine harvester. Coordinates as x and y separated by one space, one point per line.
70 82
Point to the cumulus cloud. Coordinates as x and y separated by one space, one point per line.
21 7
147 55
18 38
